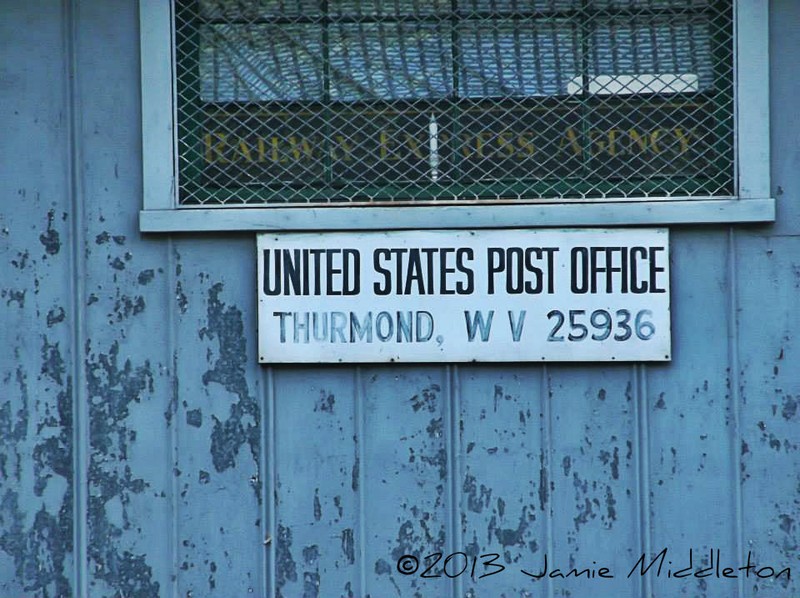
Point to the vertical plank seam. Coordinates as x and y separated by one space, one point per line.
454 467
80 411
263 477
643 444
172 322
547 448
735 398
360 455
270 484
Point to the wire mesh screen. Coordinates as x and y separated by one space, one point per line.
315 101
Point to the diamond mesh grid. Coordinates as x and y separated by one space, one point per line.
318 101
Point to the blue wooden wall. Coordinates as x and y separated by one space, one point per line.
144 452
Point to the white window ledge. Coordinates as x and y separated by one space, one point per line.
614 213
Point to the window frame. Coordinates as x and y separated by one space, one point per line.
162 213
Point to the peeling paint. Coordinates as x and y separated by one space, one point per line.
53 365
611 511
146 277
225 325
348 545
14 427
499 396
543 490
40 552
325 402
50 239
21 261
212 582
409 541
311 584
286 568
789 409
172 405
337 502
317 506
382 567
477 499
435 428
194 418
112 388
125 307
607 459
355 473
180 297
428 399
786 524
13 296
438 460
55 316
585 512
514 536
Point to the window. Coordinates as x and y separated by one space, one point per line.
532 108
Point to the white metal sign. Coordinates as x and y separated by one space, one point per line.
467 295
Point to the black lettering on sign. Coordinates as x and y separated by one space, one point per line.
378 257
579 270
295 272
606 270
444 270
464 254
423 271
637 253
524 269
655 270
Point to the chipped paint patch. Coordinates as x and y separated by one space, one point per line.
427 399
789 409
55 316
145 277
477 498
194 418
225 325
286 568
348 545
125 307
50 239
37 534
325 403
13 296
113 385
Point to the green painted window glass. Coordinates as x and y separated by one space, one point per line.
318 101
